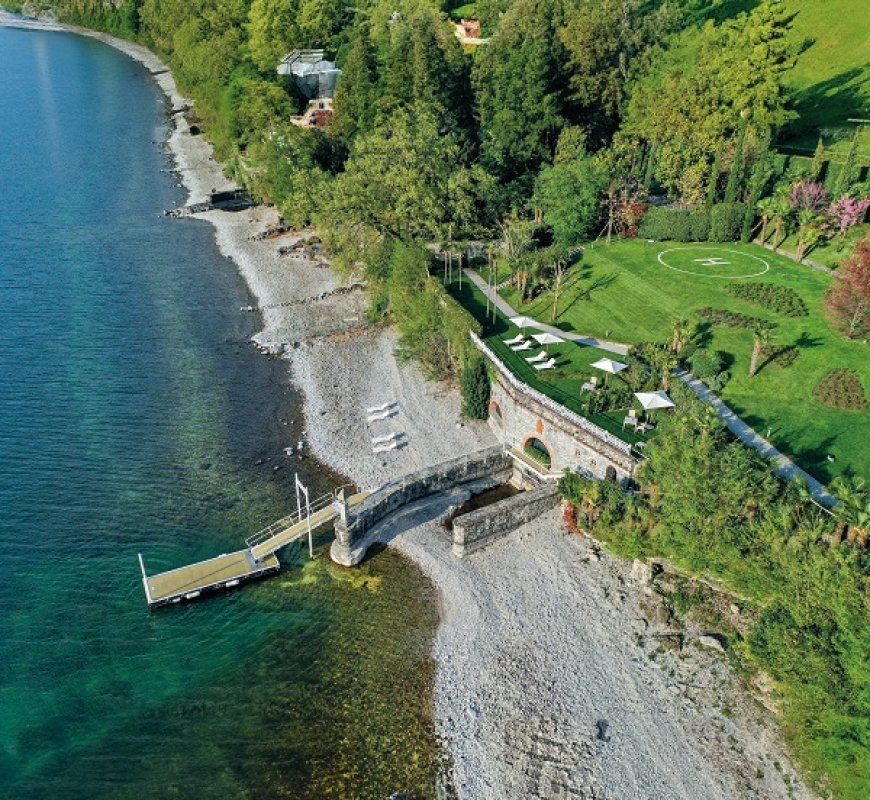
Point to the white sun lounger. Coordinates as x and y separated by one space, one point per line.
538 358
383 448
516 340
377 440
523 346
547 364
380 408
380 415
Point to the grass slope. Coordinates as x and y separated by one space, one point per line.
831 79
623 293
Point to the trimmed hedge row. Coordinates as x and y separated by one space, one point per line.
781 299
733 319
722 223
841 388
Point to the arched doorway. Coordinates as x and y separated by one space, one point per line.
539 451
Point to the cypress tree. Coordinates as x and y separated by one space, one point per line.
844 179
475 389
818 161
356 92
760 174
713 185
733 185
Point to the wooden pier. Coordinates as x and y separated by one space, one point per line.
257 560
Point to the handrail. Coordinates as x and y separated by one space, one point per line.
547 402
288 521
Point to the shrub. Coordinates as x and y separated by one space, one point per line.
614 395
733 319
538 452
675 224
781 299
706 364
475 389
726 221
779 355
841 388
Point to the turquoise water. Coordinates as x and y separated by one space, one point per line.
132 415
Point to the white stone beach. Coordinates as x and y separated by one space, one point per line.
550 681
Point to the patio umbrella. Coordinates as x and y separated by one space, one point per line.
651 400
524 322
609 366
547 338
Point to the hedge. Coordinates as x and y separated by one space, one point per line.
733 319
675 224
841 388
726 222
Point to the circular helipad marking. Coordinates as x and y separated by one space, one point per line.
713 262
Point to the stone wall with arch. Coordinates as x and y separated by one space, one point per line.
522 419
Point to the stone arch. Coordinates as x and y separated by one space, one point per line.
537 448
495 411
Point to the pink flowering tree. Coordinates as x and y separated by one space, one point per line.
847 212
808 196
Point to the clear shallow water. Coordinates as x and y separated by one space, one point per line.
131 414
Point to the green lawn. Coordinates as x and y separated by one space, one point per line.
563 382
831 254
623 293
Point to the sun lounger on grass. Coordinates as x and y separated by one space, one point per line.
523 346
516 340
547 364
538 358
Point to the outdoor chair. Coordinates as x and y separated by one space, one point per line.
538 358
387 412
523 346
516 340
630 420
547 364
381 408
383 448
591 385
379 440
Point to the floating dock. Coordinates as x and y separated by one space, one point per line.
257 560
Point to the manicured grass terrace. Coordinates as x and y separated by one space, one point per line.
562 383
623 293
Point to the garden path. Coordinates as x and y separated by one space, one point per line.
784 466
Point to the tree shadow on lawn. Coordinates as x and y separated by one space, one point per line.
811 458
602 282
841 96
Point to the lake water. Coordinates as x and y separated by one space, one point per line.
132 414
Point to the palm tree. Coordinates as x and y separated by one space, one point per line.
766 208
780 210
854 506
590 501
761 336
681 333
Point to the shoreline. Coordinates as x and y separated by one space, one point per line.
537 643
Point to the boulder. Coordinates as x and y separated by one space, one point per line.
711 642
641 572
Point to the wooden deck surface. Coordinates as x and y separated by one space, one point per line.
227 567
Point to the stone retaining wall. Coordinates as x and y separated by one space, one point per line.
478 528
347 550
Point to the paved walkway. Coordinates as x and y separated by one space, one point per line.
502 305
784 466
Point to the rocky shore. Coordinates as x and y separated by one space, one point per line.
551 681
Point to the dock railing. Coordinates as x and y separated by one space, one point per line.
293 518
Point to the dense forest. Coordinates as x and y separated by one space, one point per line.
562 127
